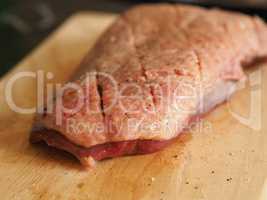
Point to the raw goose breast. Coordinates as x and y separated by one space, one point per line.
149 75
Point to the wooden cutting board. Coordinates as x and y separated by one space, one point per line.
226 161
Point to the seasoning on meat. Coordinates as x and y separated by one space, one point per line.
148 77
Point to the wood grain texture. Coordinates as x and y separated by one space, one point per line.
226 160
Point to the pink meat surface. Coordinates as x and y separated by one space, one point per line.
147 77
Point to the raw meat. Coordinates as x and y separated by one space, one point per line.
153 71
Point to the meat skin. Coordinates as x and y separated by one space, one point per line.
101 151
180 65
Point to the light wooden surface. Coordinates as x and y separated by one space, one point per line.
227 161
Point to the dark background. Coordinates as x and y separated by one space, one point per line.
25 23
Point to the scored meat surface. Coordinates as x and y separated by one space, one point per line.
151 73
